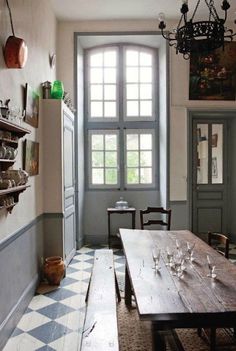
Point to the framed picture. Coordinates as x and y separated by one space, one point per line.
31 157
213 75
31 106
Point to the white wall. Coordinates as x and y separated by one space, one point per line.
179 82
35 22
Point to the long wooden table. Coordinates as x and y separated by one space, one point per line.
192 301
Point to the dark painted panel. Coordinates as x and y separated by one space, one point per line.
209 219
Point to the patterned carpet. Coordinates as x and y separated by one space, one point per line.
54 320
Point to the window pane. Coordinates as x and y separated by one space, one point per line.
96 109
111 176
132 91
96 75
110 75
145 75
202 153
110 58
96 92
96 60
146 141
132 141
145 175
132 159
97 159
111 159
145 59
145 91
132 75
132 176
109 92
111 142
132 108
109 109
97 142
146 108
146 158
217 153
132 58
97 176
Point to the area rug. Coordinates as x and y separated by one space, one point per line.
135 335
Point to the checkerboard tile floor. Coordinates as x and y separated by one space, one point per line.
54 321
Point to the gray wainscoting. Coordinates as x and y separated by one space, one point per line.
20 259
180 215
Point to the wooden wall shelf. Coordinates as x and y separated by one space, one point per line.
11 127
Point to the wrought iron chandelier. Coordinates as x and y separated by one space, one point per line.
200 36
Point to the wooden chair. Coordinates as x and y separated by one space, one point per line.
213 240
217 238
158 210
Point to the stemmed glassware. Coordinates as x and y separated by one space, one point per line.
190 248
156 254
211 267
169 256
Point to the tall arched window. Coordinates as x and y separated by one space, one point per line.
121 111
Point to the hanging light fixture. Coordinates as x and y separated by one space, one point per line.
200 36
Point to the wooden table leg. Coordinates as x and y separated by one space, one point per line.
158 340
128 290
213 339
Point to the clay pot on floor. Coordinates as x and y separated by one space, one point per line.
54 270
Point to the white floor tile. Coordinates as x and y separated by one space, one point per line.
80 287
77 301
32 320
73 320
80 265
70 342
79 275
23 342
40 301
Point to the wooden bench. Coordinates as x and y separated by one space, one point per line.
100 326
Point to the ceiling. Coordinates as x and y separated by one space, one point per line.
127 9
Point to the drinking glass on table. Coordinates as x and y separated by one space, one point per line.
156 254
190 247
169 256
211 267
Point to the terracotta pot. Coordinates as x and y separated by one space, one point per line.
54 270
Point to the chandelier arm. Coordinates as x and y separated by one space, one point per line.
212 10
167 36
195 10
179 24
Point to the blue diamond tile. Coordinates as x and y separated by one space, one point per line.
60 294
67 281
120 260
119 253
70 270
91 260
49 332
46 348
56 310
28 310
16 332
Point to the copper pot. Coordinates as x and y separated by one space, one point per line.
15 52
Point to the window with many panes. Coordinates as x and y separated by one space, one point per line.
121 116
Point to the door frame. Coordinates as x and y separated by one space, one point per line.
193 114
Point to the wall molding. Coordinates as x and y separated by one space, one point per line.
8 240
16 312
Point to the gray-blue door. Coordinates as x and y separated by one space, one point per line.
209 176
69 188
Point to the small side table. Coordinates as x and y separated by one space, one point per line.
111 210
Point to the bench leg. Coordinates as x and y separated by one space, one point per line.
128 290
212 339
117 288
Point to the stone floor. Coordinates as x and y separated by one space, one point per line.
54 321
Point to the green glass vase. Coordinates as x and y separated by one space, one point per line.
57 90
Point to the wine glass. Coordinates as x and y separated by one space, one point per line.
177 244
169 256
156 254
190 248
211 267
